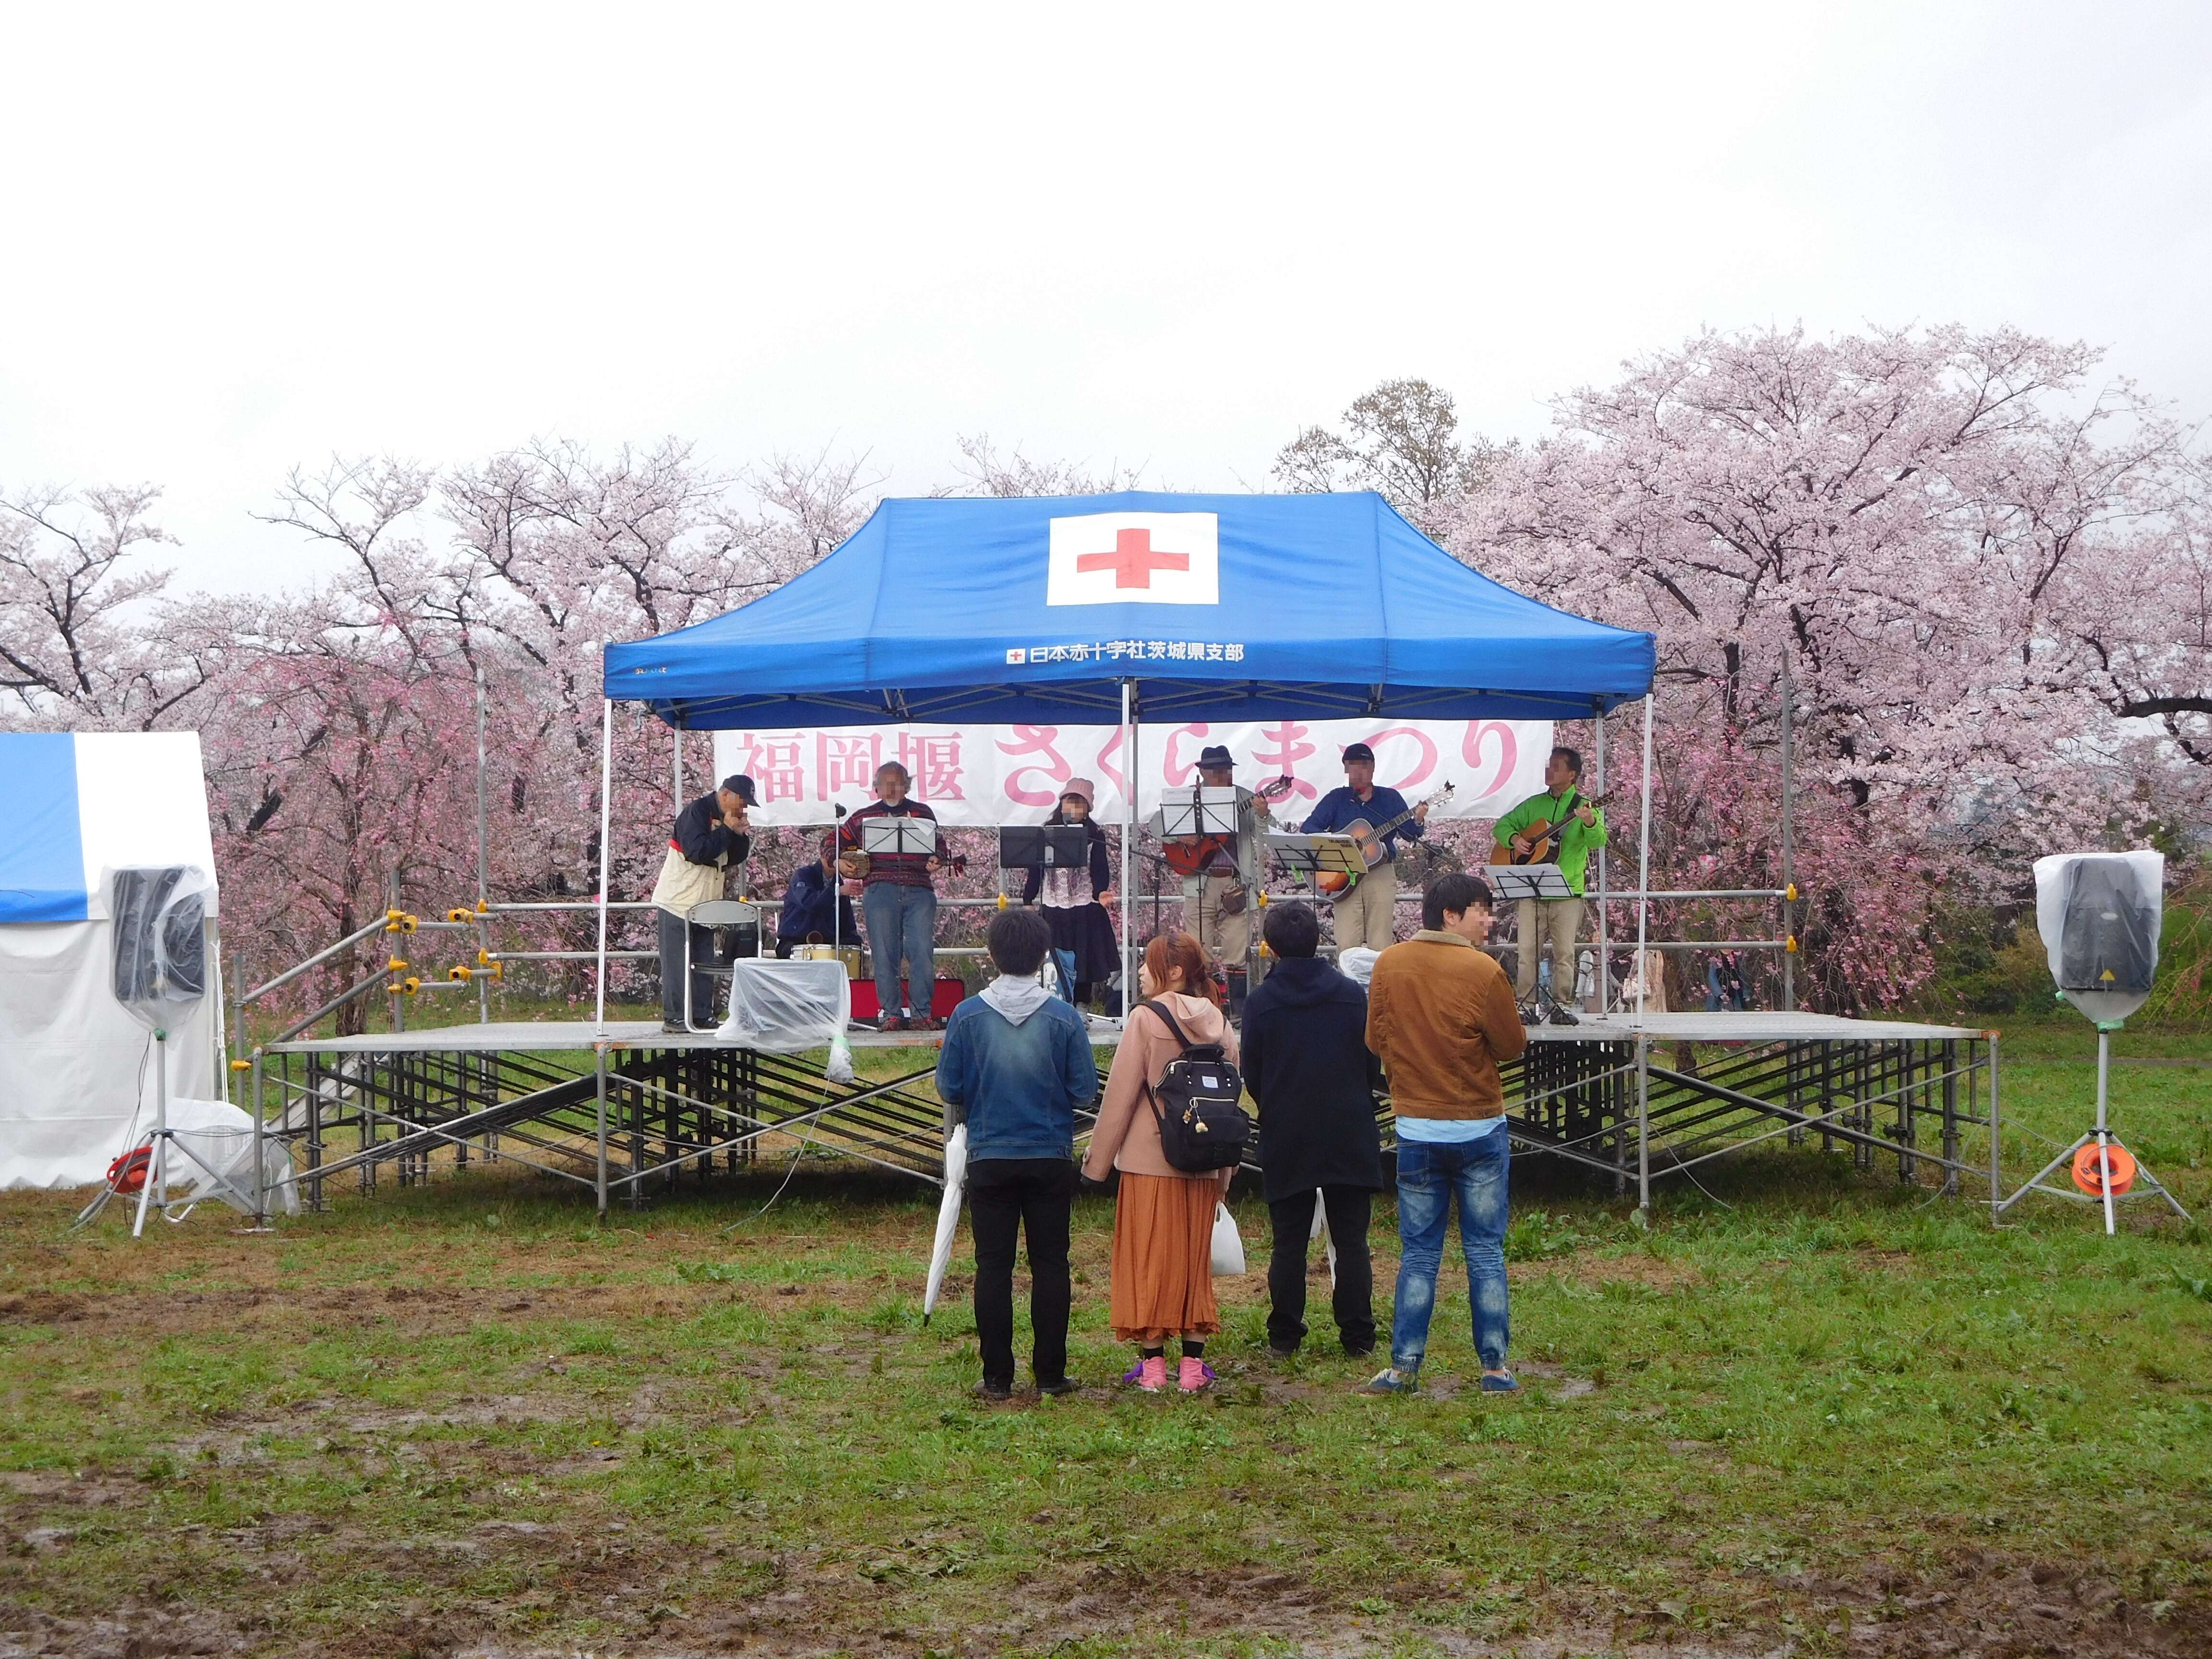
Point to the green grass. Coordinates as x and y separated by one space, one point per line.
466 1413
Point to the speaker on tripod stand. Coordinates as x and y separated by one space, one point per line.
159 915
2100 914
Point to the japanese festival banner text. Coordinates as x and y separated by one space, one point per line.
996 774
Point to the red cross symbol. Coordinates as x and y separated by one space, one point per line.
1133 559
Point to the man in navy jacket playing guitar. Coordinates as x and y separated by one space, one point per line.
1367 914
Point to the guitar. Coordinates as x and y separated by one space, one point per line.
1543 835
1188 855
1370 837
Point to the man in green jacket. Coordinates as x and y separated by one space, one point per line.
1556 923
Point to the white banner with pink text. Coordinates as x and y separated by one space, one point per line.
997 775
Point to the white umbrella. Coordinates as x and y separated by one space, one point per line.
1321 1231
948 1216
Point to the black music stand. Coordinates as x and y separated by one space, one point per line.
1044 846
1306 856
1527 881
898 835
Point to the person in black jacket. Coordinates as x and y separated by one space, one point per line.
807 917
1307 1063
1078 902
710 835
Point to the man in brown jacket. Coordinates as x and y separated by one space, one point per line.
1440 1016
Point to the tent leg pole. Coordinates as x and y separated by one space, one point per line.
606 814
260 1169
1604 954
599 1060
1644 869
1128 846
1642 1124
1788 804
484 855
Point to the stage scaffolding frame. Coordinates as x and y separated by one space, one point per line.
627 1114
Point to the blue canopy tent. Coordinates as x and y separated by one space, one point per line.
1110 608
1023 610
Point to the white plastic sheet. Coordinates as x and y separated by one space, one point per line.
788 1007
1357 964
2135 884
214 1156
159 913
948 1216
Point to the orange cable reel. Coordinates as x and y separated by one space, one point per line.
2089 1168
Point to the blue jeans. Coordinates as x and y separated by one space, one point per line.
1429 1173
902 921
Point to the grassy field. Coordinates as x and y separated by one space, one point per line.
1808 1413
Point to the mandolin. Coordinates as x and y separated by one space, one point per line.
1336 883
1544 835
1188 855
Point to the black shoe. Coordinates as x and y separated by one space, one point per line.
673 1025
1065 1385
1352 1353
990 1389
1276 1351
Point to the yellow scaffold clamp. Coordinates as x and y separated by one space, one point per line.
459 973
398 922
1789 945
403 987
241 1065
395 965
460 913
1790 892
1004 901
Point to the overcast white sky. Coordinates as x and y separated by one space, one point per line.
238 239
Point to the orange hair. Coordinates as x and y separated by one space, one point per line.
1163 951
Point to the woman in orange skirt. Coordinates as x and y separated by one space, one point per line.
1163 1277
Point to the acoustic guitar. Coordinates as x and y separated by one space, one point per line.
1188 855
1370 837
1543 835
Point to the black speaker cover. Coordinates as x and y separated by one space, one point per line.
161 943
2110 939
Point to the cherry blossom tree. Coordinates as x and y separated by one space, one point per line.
1908 519
75 646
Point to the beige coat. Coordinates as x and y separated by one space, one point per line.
1127 1137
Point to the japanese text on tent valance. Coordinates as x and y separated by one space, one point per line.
990 775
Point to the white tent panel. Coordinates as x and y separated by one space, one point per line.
74 1064
141 799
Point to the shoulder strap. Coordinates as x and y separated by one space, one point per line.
1174 1030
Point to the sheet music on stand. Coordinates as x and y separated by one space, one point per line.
899 834
1527 881
1198 810
1306 856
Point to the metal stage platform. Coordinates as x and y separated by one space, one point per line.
626 1110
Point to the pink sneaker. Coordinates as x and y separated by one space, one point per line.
1195 1374
1150 1373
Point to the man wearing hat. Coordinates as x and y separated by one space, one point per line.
711 834
1366 912
1216 903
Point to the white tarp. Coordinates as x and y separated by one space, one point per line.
789 1007
73 1063
997 775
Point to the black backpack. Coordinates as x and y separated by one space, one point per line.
1202 1128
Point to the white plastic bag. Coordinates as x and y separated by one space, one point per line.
1228 1244
787 1007
1357 964
213 1156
